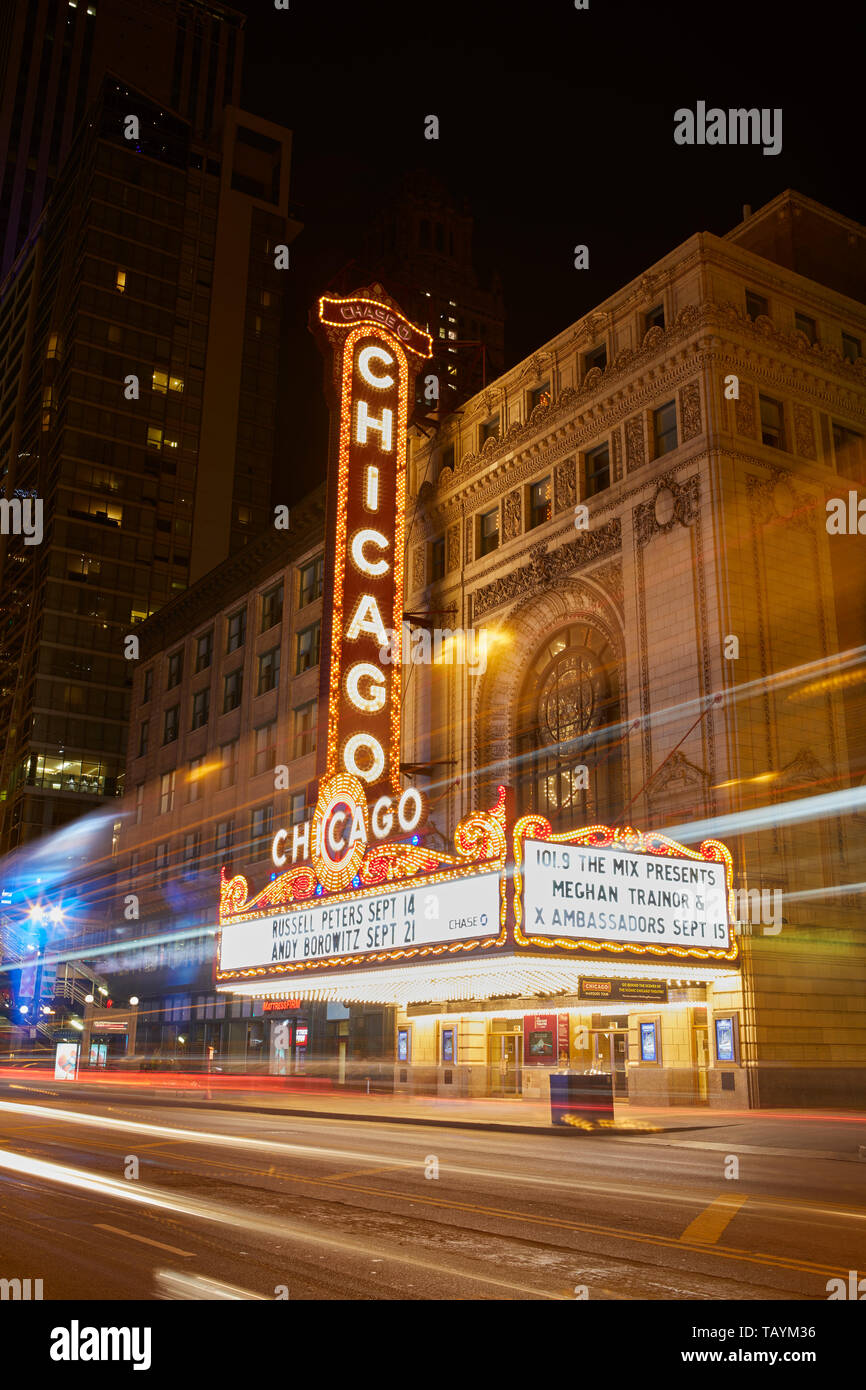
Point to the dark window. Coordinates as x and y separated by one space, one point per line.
596 358
440 237
540 396
224 841
204 651
170 724
772 423
200 708
446 458
852 348
850 449
540 504
228 764
269 671
147 686
654 318
272 607
261 831
305 729
756 305
191 848
297 808
665 429
804 324
490 429
311 582
233 689
236 631
437 559
143 737
265 755
488 531
307 648
597 474
175 670
424 233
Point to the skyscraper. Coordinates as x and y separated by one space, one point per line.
139 334
53 56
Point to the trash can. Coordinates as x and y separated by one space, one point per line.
585 1097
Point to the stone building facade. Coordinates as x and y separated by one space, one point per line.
636 517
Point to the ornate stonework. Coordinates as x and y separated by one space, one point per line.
616 472
544 567
453 549
777 498
511 521
635 452
609 578
418 567
468 547
565 486
745 410
674 504
804 431
690 410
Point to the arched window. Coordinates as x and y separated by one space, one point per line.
569 717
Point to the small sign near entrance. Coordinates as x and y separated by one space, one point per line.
640 991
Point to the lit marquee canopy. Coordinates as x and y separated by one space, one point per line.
359 907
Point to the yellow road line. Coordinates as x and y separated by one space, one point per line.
130 1235
713 1220
528 1219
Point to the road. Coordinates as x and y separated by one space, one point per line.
132 1199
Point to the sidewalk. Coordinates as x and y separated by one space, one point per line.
804 1133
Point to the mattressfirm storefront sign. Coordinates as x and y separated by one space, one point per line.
364 924
578 891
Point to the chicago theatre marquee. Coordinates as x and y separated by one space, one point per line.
512 949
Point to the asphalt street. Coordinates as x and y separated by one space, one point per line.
128 1199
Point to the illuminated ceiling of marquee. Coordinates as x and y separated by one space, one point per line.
504 976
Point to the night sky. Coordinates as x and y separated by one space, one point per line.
557 124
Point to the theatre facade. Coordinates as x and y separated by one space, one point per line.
589 772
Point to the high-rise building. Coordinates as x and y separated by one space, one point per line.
139 335
185 54
420 246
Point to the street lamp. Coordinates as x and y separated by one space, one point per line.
133 1000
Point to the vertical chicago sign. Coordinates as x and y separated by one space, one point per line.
359 887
